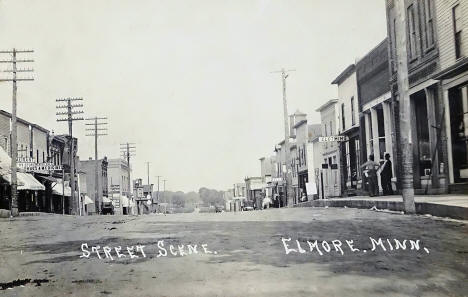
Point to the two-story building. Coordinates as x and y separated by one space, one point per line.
376 108
119 191
330 150
451 28
95 177
348 126
427 109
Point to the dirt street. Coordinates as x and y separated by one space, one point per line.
277 252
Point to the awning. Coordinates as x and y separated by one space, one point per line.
106 199
123 200
26 182
47 178
57 189
87 200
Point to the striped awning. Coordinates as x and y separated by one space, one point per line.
26 181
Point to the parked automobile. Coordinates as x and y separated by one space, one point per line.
248 205
107 208
218 208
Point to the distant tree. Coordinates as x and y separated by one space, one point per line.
211 197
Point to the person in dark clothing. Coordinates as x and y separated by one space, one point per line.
386 176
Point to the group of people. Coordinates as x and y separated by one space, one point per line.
371 169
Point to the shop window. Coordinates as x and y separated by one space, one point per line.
422 128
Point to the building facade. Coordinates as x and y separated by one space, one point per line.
88 172
348 126
377 114
120 193
426 98
451 26
330 150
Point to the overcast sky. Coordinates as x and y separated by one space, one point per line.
188 81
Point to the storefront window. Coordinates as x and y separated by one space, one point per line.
422 128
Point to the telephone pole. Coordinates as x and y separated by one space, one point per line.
96 131
70 112
405 137
128 150
164 192
14 142
288 188
147 170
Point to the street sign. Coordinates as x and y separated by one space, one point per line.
338 138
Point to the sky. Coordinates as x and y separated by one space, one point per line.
189 82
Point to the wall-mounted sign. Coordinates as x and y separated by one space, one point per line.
333 138
29 165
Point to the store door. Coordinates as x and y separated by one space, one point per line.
458 103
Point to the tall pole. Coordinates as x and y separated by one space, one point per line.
70 119
95 132
406 145
164 191
288 186
147 170
127 150
14 141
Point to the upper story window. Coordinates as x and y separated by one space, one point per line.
343 122
353 116
457 28
428 24
411 27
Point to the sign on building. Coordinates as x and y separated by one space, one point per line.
338 138
29 165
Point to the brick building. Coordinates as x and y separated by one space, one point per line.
87 169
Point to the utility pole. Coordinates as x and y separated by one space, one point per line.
128 150
288 188
14 142
405 140
147 170
70 119
157 193
164 191
96 131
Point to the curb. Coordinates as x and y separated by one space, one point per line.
438 210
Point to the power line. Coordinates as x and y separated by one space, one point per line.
14 141
70 118
288 189
128 150
96 132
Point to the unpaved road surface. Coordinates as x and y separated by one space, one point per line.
235 254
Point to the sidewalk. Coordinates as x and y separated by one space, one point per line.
452 206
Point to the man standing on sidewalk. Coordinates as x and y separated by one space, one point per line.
386 176
370 172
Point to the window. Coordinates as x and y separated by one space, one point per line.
343 117
331 128
411 32
37 156
429 24
457 28
43 157
353 117
394 47
325 129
